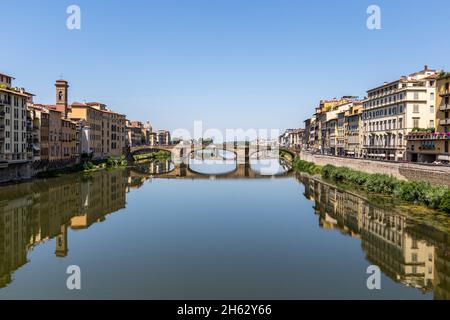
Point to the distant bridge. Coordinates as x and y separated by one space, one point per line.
183 151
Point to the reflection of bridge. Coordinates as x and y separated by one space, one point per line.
182 151
183 171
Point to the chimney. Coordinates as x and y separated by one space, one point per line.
426 67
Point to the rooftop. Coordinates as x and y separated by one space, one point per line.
5 75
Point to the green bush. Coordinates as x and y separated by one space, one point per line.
435 196
304 166
88 165
380 183
414 191
445 202
116 161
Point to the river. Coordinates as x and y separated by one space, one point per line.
153 231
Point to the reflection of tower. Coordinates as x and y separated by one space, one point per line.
61 243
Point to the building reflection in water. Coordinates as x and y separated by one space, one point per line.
36 212
400 247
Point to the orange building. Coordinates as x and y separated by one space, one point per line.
106 128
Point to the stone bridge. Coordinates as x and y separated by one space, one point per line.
182 152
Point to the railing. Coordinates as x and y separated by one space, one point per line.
428 136
444 92
444 122
444 107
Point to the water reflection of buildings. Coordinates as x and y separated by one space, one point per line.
389 240
37 212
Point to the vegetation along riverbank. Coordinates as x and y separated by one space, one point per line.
417 192
88 166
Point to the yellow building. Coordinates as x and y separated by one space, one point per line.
319 139
353 131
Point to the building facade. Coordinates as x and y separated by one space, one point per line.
393 110
163 138
353 131
104 129
135 133
433 145
13 122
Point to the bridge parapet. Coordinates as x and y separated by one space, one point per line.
181 152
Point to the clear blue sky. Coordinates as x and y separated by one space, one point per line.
231 63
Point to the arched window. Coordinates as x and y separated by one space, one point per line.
60 96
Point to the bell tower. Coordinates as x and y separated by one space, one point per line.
62 91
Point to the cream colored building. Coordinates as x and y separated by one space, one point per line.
13 118
394 109
434 146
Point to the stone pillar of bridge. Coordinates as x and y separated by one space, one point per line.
179 152
243 154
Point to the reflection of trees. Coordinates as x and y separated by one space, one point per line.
36 212
154 167
390 240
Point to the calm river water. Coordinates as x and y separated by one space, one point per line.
143 233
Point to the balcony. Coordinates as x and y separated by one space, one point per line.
428 136
444 107
444 93
444 122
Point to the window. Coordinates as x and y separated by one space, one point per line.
432 96
416 123
431 109
416 96
416 108
431 124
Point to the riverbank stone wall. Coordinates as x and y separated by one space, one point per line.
436 175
